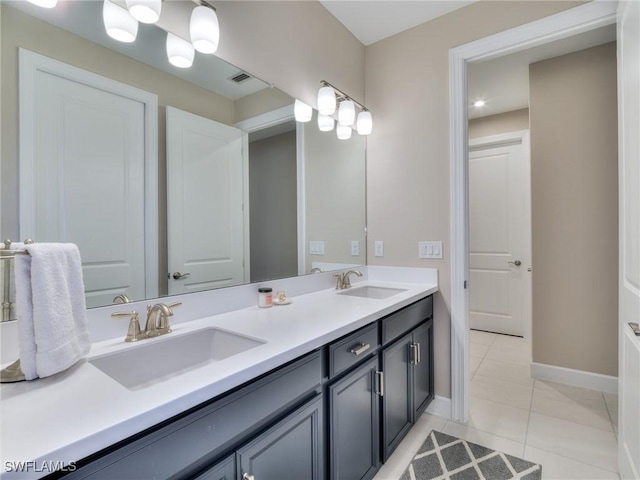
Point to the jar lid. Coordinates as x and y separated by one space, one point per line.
265 289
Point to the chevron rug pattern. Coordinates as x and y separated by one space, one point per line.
443 457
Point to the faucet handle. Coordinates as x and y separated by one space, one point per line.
163 320
174 305
134 333
339 281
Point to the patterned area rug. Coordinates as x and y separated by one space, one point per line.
443 457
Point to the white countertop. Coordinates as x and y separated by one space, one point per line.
78 412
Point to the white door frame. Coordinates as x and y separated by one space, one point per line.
522 138
564 24
29 65
260 122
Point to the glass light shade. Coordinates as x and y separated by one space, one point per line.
45 3
344 132
365 123
346 113
326 101
302 111
325 123
179 51
204 29
119 23
145 11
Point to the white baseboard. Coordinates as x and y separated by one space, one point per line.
577 378
440 406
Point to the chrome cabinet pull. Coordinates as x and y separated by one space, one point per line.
380 383
414 355
180 276
418 359
248 476
360 349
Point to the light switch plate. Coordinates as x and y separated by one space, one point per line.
355 248
379 248
429 249
316 247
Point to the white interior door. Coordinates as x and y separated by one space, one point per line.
205 218
629 266
499 233
82 172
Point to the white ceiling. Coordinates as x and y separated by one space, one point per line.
374 20
503 83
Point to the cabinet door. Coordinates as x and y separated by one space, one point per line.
397 412
293 449
423 368
354 410
223 470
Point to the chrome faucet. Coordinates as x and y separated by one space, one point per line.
122 298
316 270
343 281
158 319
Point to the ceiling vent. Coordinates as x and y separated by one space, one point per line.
240 77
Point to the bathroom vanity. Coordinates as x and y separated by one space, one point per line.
325 387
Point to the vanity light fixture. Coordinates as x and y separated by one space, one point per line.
44 3
326 100
145 11
179 51
204 29
302 112
364 123
118 22
346 112
325 123
344 132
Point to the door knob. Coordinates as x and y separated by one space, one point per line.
517 263
180 276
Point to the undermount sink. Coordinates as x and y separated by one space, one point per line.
146 364
369 291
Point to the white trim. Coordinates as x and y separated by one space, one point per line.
30 64
570 22
440 406
265 120
577 378
302 200
246 209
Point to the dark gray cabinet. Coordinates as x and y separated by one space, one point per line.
354 412
293 449
223 470
408 384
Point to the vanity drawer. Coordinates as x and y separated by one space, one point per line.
348 351
400 322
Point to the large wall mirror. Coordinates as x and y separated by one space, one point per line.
169 180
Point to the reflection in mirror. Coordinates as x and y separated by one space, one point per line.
167 201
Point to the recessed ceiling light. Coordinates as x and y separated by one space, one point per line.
478 103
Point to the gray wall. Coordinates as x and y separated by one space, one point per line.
500 123
574 179
273 211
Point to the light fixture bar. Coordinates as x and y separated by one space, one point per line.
343 96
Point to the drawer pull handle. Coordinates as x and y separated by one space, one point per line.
360 349
247 476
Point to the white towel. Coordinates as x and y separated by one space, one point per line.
52 315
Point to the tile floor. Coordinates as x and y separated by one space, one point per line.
571 431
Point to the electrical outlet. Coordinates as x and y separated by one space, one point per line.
378 248
429 249
355 248
316 247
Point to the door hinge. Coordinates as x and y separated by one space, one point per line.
380 383
465 284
